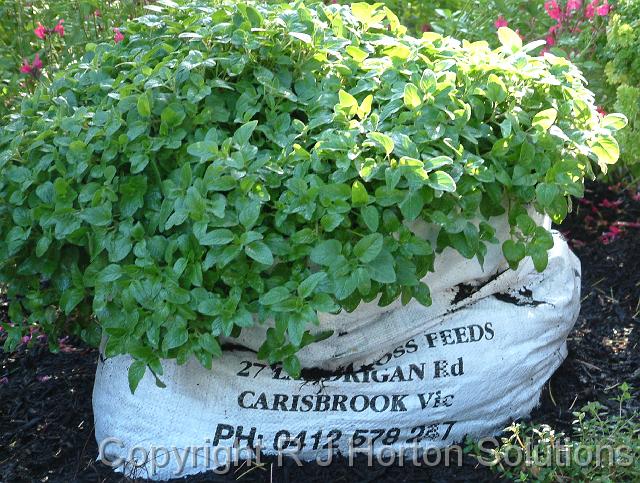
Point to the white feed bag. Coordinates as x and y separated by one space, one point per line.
431 376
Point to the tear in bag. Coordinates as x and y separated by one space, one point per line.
390 380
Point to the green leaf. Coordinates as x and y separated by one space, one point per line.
306 38
437 162
509 39
428 81
357 54
221 236
275 296
244 132
371 217
110 273
383 140
42 246
135 374
359 195
347 103
144 106
176 336
306 288
514 252
412 97
540 258
606 151
441 181
97 216
70 299
614 122
205 150
365 107
260 252
496 89
249 214
292 366
546 193
545 119
412 205
382 268
210 343
326 252
369 247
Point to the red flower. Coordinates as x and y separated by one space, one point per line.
426 27
601 111
553 9
590 10
501 22
59 29
118 37
41 31
551 41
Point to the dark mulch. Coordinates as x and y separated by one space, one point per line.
46 420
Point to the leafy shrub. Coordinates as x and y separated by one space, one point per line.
623 72
232 164
603 447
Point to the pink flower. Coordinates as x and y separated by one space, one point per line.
611 235
37 63
26 67
501 22
553 10
573 5
98 13
603 10
554 28
636 197
601 111
426 27
32 69
59 29
551 41
590 9
41 31
118 37
610 204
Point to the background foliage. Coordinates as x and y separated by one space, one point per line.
84 21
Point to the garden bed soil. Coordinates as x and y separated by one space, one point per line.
46 419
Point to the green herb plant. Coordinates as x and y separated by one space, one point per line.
235 163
